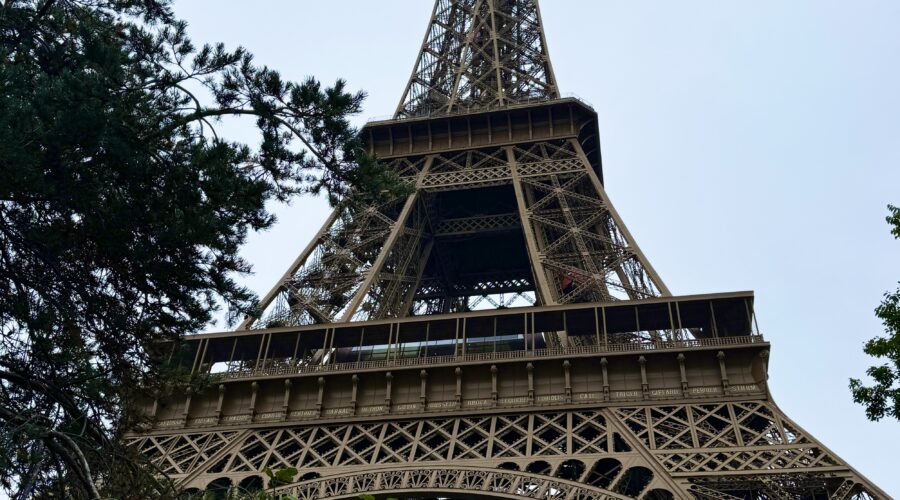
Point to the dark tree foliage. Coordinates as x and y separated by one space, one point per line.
883 398
121 216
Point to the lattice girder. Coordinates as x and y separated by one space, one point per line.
583 248
592 438
327 275
480 54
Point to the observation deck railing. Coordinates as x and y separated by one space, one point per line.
289 368
460 109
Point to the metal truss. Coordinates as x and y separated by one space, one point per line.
325 281
468 169
724 437
477 481
391 292
325 278
781 487
580 246
368 263
480 54
469 293
712 450
480 224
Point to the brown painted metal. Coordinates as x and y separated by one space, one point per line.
582 377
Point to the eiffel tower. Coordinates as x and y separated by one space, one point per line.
498 333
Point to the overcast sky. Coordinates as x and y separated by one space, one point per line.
748 145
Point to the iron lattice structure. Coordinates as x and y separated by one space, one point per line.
498 333
480 54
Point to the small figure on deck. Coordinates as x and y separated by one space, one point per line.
568 283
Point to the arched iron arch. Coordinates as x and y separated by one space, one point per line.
252 484
219 488
470 482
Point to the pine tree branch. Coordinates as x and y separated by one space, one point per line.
62 445
220 112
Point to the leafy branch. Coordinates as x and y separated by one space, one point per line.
882 399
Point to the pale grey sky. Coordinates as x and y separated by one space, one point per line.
749 145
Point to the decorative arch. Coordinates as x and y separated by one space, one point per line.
539 467
252 484
634 481
471 481
571 470
219 488
604 472
659 494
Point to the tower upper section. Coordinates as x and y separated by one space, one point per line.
480 54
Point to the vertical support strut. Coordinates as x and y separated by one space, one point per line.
601 192
396 231
544 291
299 261
480 54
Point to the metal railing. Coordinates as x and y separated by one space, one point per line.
288 368
464 110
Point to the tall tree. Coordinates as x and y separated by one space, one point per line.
122 214
883 398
